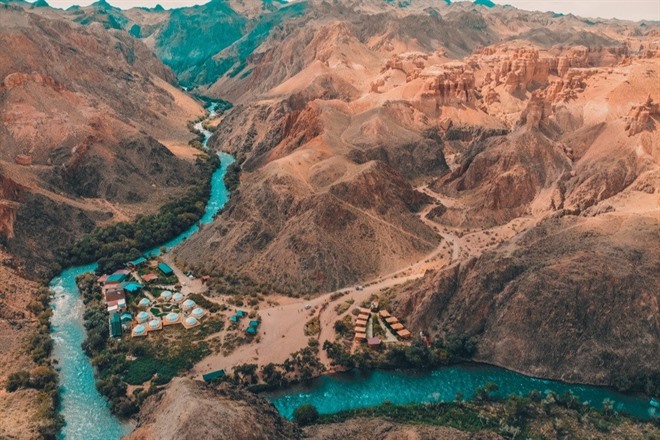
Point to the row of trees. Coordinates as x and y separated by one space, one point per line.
515 416
415 356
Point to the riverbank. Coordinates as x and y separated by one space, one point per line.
532 416
85 411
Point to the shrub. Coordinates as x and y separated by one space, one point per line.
16 380
305 414
313 326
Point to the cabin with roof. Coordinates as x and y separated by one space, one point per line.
114 323
165 269
213 375
115 278
132 287
137 262
148 278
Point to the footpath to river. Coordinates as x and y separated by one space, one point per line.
86 412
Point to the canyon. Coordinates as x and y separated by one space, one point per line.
497 169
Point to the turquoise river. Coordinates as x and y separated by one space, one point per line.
87 414
359 389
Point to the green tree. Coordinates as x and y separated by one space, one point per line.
305 414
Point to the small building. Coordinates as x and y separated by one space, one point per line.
364 316
154 325
234 318
116 278
361 323
384 314
254 323
391 320
114 295
114 323
364 311
150 277
122 272
177 297
190 322
374 342
241 313
142 317
360 336
198 312
116 306
359 329
137 262
397 327
403 334
139 330
251 331
165 269
126 317
213 375
132 287
102 279
172 318
144 302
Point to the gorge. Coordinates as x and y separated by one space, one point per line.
484 174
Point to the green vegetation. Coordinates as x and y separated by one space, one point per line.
128 361
203 302
113 245
233 176
532 416
379 331
344 327
313 326
343 307
304 363
415 356
40 378
305 414
43 377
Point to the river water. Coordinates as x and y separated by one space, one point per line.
86 412
344 391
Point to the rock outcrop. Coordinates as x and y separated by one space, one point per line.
189 409
641 117
539 305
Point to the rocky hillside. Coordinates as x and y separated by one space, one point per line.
91 122
189 409
512 120
92 130
365 129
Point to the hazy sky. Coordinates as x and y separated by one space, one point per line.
625 9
